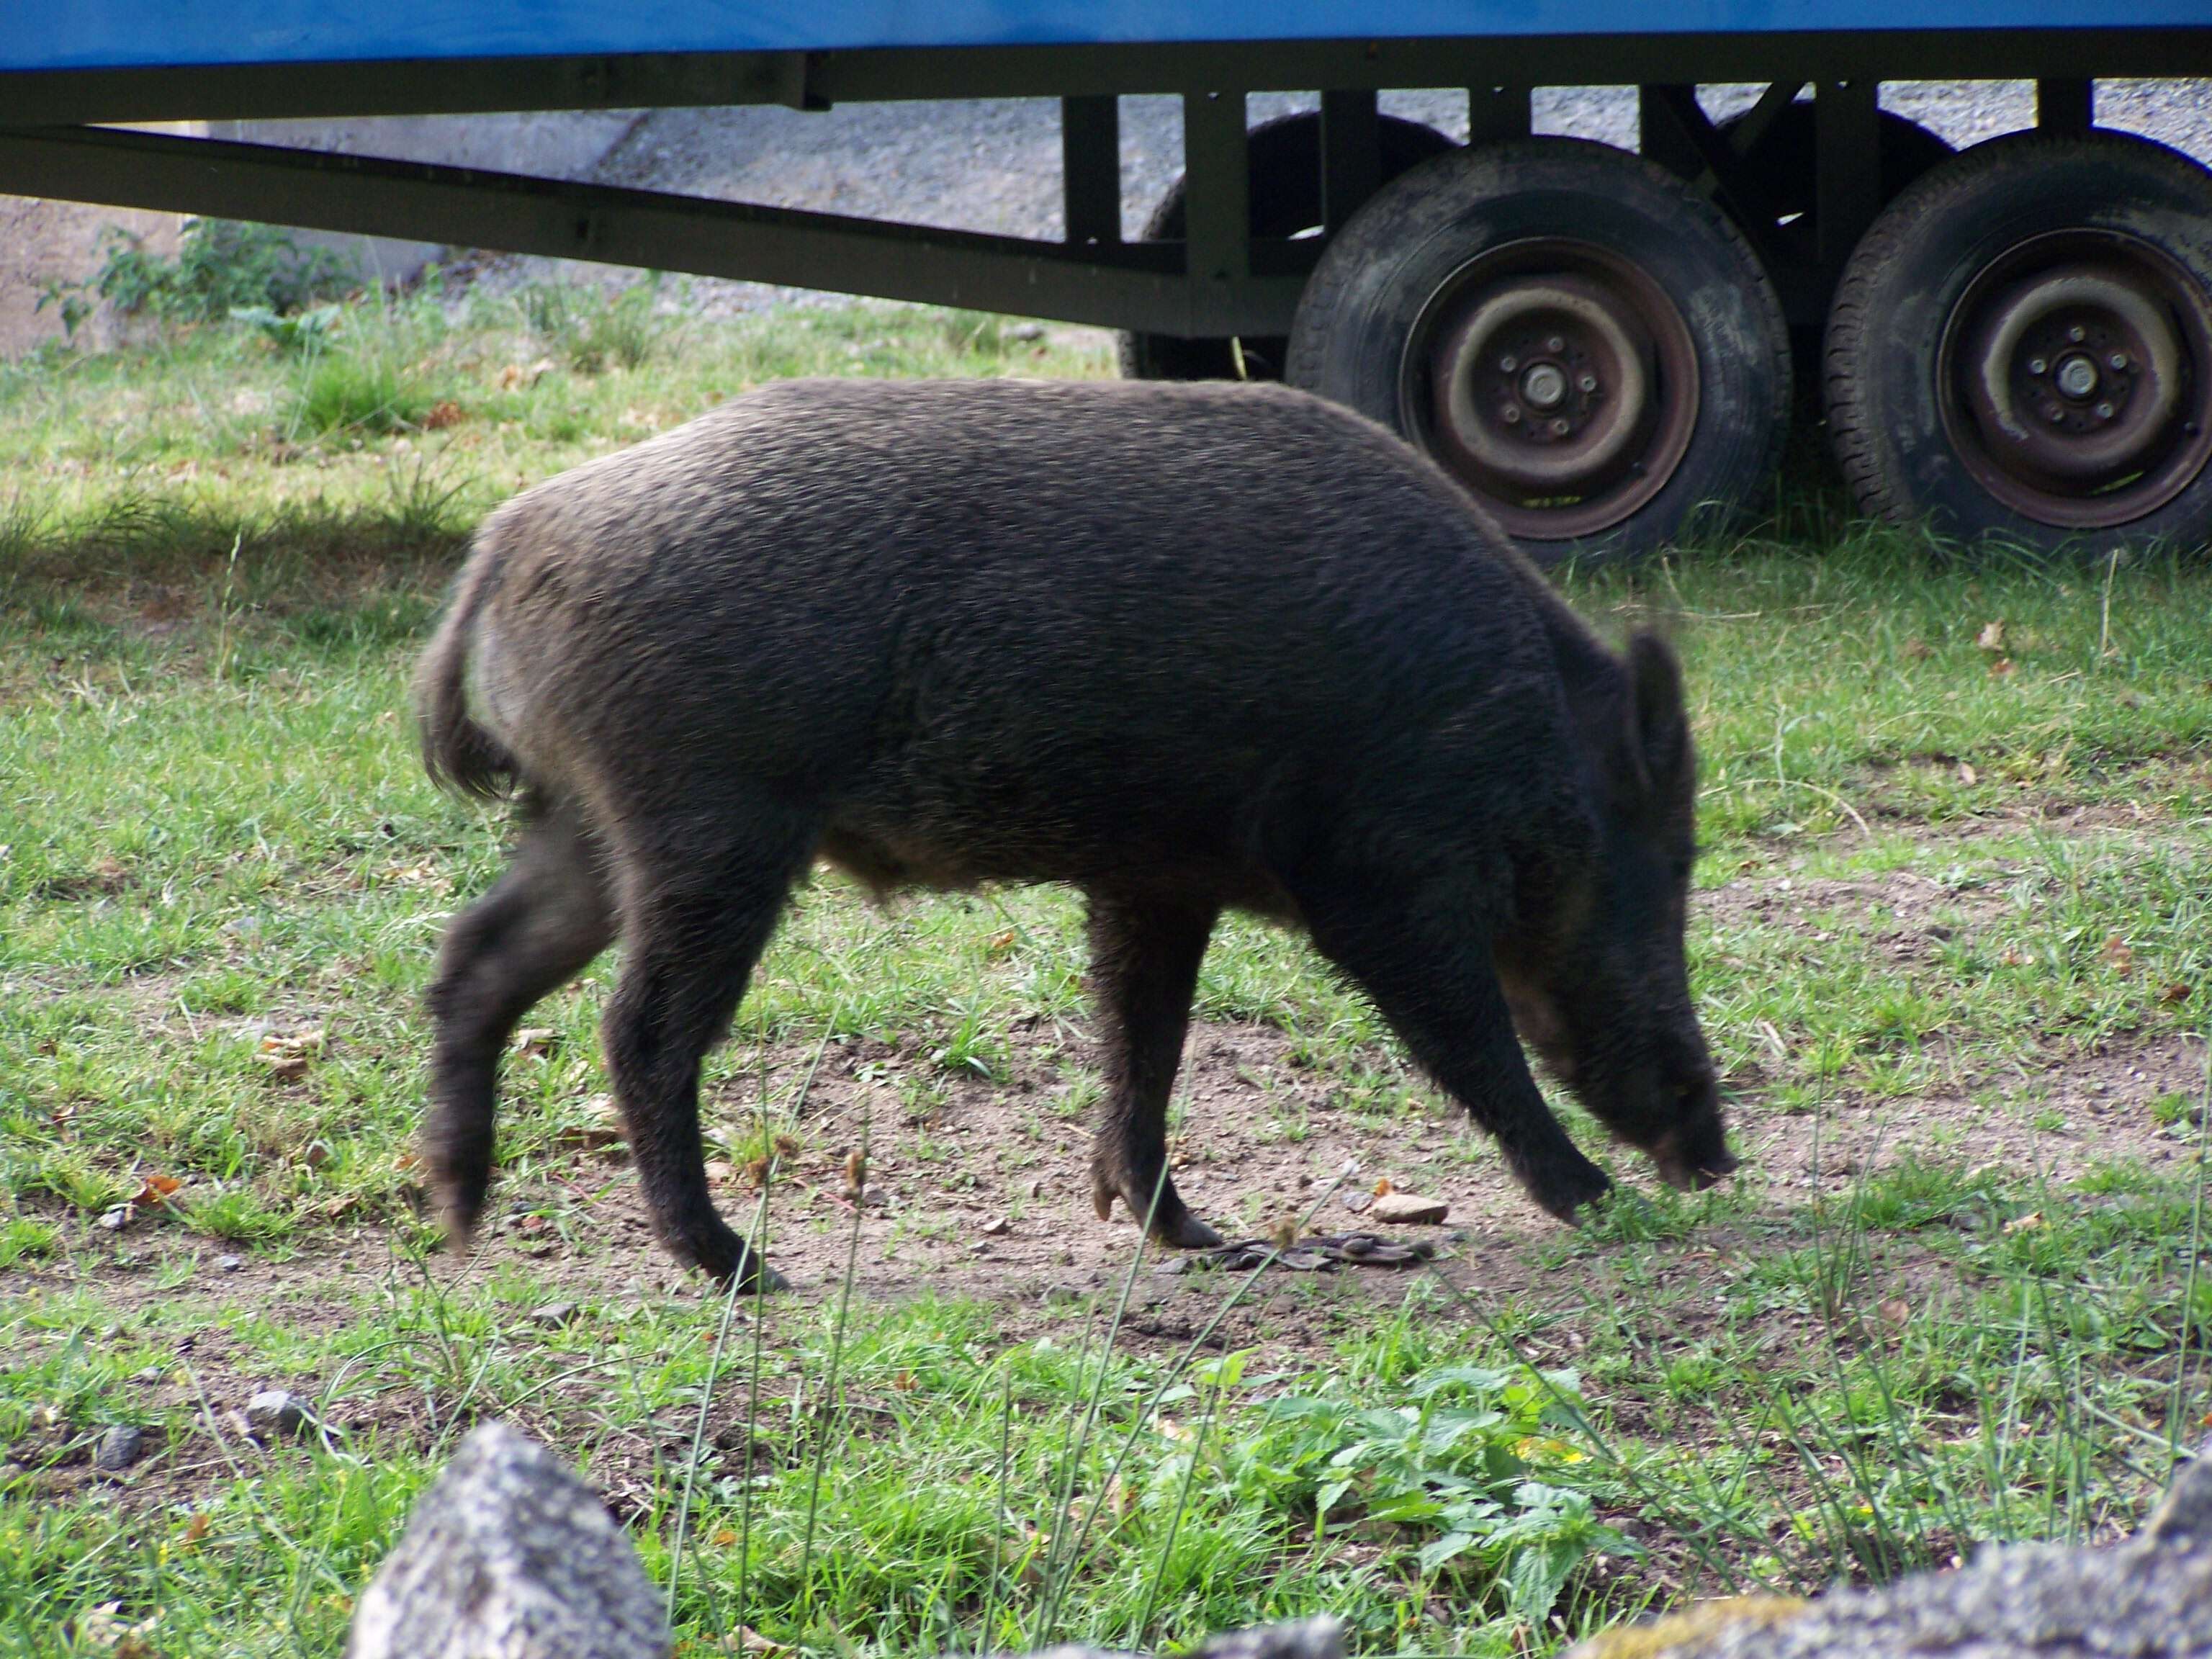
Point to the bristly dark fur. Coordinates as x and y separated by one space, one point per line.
1186 647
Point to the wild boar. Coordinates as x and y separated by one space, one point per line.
1185 646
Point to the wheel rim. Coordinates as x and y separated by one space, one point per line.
1556 379
2073 378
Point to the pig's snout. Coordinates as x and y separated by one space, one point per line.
1694 1153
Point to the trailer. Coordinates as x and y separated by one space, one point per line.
2014 339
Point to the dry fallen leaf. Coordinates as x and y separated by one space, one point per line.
1383 1186
1992 638
1917 650
1120 1498
1895 1311
2000 667
2011 959
724 1537
533 1039
2025 1223
999 944
2118 954
1967 775
2174 994
443 413
156 1189
904 1382
751 1641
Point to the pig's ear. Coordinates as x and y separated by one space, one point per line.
1660 724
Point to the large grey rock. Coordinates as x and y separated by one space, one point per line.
2149 1598
509 1556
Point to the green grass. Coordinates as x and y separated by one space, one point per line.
1951 929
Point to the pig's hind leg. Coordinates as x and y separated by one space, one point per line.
695 918
1145 954
540 924
1427 965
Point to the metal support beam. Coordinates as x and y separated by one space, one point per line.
2065 106
1668 118
1679 134
1137 286
1351 155
1090 170
1497 112
1847 165
1218 186
1754 123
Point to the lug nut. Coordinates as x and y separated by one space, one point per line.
1559 428
2104 411
1512 416
1555 344
2053 413
1507 365
2075 334
1587 383
2118 360
2037 366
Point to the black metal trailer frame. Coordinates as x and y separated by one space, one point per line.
1634 380
55 141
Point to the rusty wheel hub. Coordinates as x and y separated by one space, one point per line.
1561 384
2074 374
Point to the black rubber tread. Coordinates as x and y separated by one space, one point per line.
2013 185
1744 415
1284 164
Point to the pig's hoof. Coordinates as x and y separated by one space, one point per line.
723 1256
1186 1232
754 1276
1569 1194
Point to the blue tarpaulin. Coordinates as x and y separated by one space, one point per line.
54 34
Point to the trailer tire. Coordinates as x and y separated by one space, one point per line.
1523 311
2021 347
1285 167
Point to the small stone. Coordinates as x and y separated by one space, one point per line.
1026 332
553 1313
119 1448
1406 1210
148 1376
274 1412
229 1264
1062 1293
116 1219
997 1226
243 927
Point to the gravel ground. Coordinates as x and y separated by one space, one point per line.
993 164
